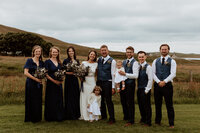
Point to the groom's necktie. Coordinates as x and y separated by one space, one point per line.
127 62
140 67
163 60
102 60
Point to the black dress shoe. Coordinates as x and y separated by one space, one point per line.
147 125
157 123
110 122
103 119
125 119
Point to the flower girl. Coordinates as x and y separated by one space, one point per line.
94 103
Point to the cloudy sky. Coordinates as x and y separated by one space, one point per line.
143 24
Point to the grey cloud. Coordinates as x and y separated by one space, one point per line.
80 21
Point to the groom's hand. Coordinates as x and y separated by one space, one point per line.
122 73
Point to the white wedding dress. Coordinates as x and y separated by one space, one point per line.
88 86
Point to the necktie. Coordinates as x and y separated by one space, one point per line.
140 67
127 62
102 60
163 60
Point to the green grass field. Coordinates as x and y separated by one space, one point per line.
187 120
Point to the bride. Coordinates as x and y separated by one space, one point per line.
88 84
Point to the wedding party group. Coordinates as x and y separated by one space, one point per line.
100 78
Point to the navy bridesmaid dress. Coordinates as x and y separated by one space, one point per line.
33 94
53 96
71 96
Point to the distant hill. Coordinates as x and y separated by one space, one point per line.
81 50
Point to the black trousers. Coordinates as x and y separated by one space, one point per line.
144 102
127 101
167 93
106 99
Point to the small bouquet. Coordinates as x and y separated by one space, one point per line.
59 75
40 73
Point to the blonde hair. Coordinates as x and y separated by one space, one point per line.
58 57
33 51
119 61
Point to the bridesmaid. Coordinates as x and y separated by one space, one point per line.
71 92
54 91
33 88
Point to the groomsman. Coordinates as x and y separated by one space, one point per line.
145 80
105 79
164 70
127 95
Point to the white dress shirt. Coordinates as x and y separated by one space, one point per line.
172 71
113 69
135 69
149 73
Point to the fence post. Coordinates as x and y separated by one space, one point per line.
191 76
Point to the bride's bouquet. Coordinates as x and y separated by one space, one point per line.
82 71
72 66
79 70
40 73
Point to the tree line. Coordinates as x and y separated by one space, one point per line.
21 44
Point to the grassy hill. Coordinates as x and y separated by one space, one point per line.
81 50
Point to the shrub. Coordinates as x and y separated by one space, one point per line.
22 43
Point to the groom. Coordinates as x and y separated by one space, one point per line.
105 79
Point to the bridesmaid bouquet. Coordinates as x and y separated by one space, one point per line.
40 73
59 75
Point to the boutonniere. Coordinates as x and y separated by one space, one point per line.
167 63
109 62
129 64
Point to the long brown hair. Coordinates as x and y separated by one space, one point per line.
33 51
58 57
71 47
95 59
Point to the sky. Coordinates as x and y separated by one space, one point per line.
143 24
